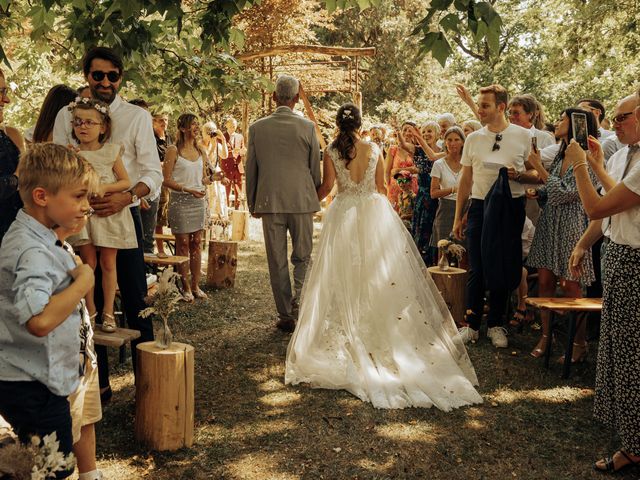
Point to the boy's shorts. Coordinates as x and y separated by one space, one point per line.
85 402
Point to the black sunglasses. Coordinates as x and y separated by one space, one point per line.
495 145
98 76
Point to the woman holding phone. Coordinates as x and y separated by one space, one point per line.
561 224
184 170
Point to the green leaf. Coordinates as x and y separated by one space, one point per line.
493 36
481 31
441 50
440 4
461 5
450 22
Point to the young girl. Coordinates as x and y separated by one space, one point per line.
91 128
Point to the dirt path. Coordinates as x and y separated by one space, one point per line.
250 426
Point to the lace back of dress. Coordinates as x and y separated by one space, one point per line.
346 186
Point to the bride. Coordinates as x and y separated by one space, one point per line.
371 320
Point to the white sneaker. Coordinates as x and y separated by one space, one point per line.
468 334
498 336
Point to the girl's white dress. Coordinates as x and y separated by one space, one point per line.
371 319
114 231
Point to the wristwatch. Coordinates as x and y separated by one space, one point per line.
134 197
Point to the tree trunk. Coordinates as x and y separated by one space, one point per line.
452 286
223 259
239 225
164 396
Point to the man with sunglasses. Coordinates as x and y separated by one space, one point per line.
597 108
132 128
498 144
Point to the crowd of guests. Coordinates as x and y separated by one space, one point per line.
510 188
501 184
93 180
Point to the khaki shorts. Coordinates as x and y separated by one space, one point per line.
85 402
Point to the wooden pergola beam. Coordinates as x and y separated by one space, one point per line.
319 49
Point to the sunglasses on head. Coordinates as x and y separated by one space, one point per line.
112 76
496 146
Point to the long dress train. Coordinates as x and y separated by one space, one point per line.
371 319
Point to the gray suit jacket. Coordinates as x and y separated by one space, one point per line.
283 164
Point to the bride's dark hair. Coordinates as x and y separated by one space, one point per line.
349 122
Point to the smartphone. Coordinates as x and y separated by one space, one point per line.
534 144
580 130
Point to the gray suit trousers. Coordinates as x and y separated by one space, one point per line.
275 227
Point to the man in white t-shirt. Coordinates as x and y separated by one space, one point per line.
498 144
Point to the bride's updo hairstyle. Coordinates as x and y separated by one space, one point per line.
349 122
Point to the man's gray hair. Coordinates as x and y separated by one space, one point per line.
446 117
287 87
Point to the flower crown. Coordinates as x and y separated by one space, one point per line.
89 101
347 114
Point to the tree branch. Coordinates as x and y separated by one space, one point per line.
467 50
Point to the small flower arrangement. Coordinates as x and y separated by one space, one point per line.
39 460
163 304
449 250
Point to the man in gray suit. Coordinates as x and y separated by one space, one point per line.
283 173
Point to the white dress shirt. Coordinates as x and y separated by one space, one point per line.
131 127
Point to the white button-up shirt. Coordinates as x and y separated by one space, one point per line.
131 127
624 227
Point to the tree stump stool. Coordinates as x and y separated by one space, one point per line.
164 396
239 225
223 261
452 286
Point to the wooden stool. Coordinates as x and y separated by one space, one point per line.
115 339
172 261
223 260
165 396
452 286
239 225
563 305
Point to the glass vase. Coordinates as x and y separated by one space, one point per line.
443 262
165 338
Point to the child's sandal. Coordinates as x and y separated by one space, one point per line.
108 323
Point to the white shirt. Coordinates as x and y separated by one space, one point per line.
605 133
543 139
486 163
132 128
611 145
548 154
624 227
448 178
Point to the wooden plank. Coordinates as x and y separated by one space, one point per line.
312 116
561 304
172 261
300 48
115 339
167 237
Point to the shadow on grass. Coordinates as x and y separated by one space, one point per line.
249 425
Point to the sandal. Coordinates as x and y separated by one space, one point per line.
518 317
108 323
609 463
92 320
188 297
539 351
197 293
579 353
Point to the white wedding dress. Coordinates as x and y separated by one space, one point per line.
371 320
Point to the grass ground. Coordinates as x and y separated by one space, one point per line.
250 426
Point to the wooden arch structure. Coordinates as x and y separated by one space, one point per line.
324 69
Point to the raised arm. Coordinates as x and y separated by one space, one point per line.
466 97
617 200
